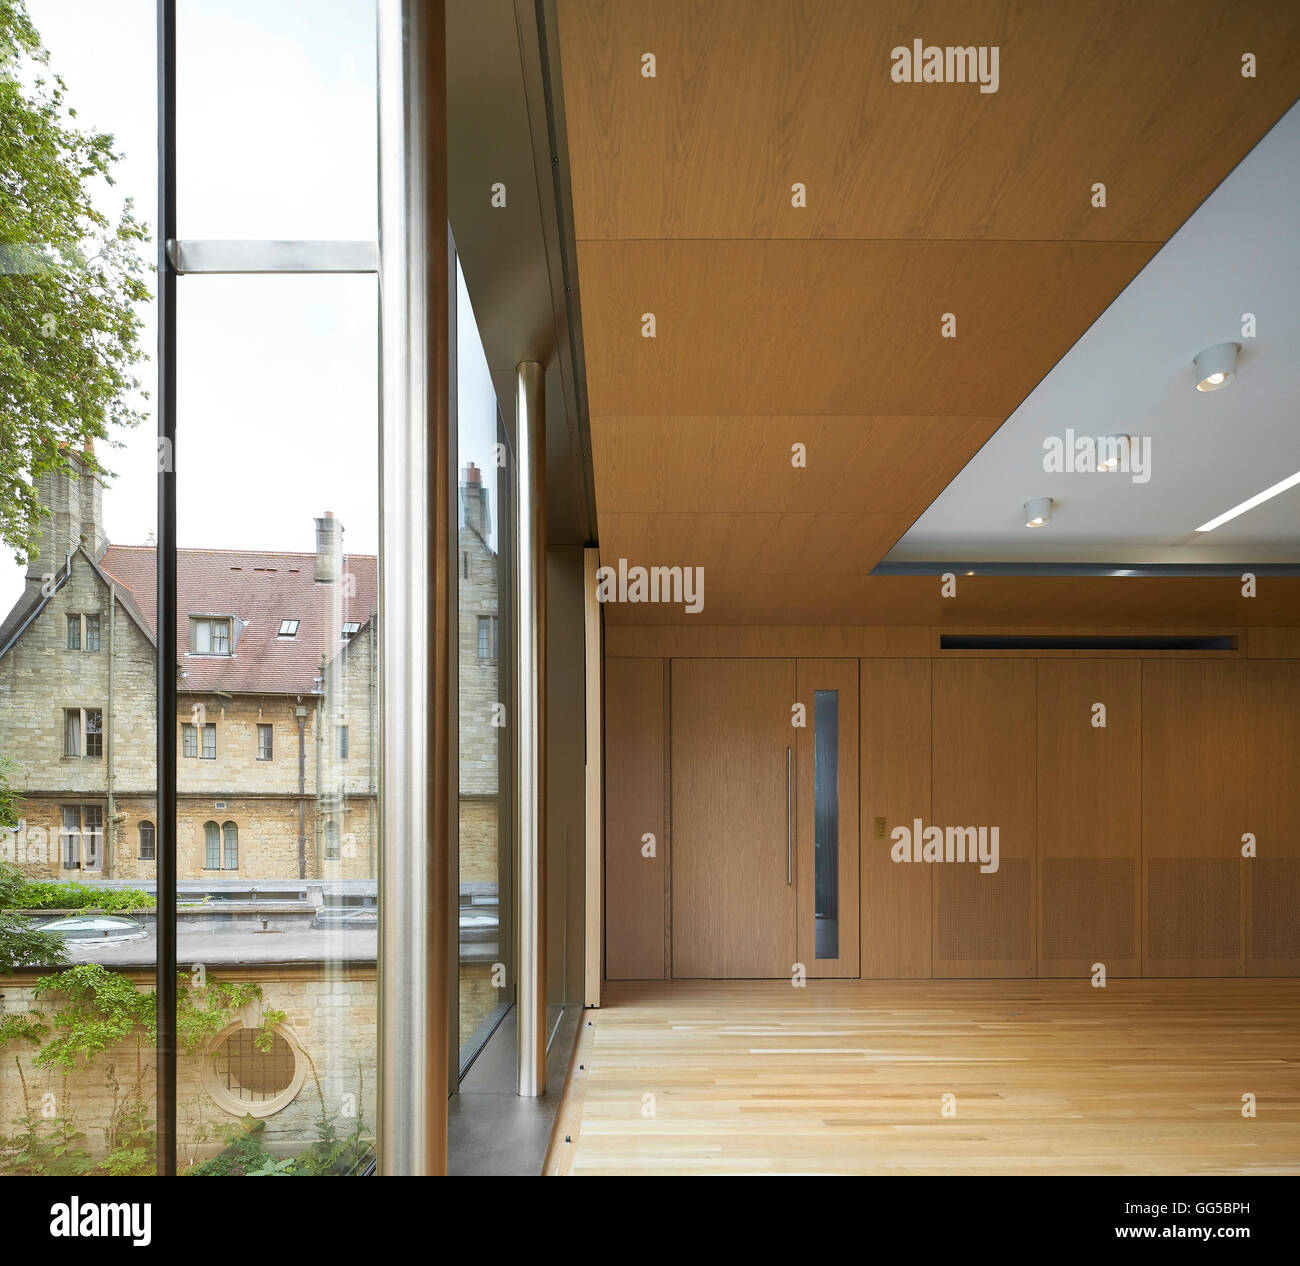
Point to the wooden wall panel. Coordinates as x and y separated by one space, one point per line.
840 675
984 775
1194 754
1089 817
635 733
1273 817
819 599
1193 817
594 778
894 740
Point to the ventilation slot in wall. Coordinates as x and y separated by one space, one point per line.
1275 907
984 916
1089 908
1082 642
1194 908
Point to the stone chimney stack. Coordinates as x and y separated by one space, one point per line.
329 549
75 500
91 489
474 511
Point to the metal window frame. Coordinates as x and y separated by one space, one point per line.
415 486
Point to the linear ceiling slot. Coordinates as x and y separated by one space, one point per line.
1081 642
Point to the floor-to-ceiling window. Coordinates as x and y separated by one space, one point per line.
275 594
277 528
486 962
78 805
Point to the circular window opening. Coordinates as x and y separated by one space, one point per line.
247 1079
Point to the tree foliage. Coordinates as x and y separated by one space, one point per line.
71 280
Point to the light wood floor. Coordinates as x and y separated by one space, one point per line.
849 1076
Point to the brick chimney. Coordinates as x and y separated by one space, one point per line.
474 510
329 548
75 500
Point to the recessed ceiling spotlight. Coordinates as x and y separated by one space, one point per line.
1116 449
1216 367
1038 512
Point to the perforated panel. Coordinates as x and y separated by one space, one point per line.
1089 907
1194 908
1275 908
982 916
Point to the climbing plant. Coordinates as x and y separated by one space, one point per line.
99 1014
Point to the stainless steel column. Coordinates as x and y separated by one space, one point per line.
415 590
530 720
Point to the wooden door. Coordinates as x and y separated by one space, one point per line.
826 817
733 891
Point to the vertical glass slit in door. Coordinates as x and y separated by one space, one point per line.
826 821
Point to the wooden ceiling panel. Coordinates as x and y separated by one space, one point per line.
745 464
752 545
750 96
990 602
823 324
837 327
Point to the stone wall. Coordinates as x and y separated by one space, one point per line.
331 1015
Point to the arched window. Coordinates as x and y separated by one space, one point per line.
331 841
148 842
211 846
231 833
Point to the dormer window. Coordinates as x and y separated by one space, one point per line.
210 636
350 628
288 628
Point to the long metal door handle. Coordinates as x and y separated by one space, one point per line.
789 815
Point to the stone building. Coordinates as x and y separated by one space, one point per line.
482 732
277 705
482 715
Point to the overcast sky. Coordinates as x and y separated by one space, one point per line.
277 376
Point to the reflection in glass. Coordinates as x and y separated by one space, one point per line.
277 503
826 801
486 966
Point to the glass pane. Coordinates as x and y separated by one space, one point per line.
487 986
64 820
826 812
276 119
277 508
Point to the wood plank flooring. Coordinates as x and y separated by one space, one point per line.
849 1077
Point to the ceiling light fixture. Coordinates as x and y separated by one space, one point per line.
1216 367
1038 512
1258 499
1118 448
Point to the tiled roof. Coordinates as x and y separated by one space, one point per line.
259 590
